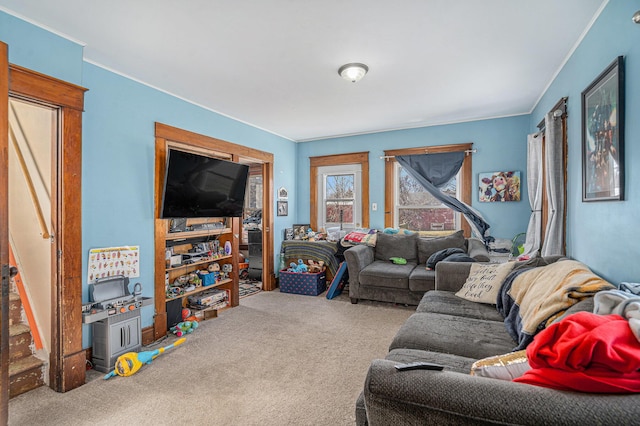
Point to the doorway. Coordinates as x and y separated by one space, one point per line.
32 93
252 239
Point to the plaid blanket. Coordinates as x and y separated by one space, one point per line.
531 299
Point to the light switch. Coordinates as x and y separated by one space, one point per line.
374 206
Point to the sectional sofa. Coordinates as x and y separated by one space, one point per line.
373 276
456 333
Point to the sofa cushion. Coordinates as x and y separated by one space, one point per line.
446 302
428 246
441 255
457 363
468 337
484 282
397 245
382 273
422 280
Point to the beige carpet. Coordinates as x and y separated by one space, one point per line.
277 359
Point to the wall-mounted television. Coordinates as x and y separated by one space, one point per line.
200 186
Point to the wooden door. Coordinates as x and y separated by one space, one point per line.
4 232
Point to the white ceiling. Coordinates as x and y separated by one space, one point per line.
273 63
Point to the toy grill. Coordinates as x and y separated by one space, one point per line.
114 313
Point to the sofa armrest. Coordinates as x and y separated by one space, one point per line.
446 397
451 276
357 258
477 250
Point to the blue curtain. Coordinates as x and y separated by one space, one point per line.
433 171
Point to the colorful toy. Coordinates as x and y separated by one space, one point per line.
301 266
184 327
129 363
315 267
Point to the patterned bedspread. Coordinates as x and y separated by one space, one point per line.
314 250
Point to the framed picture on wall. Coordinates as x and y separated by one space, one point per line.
283 194
283 208
499 186
603 135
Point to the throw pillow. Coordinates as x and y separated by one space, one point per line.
359 237
441 255
503 367
428 246
398 245
484 281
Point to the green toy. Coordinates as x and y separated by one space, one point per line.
398 260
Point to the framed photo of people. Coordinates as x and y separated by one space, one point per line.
603 135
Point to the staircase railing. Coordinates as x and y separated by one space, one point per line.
35 332
27 175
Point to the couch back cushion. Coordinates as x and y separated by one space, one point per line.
397 245
428 246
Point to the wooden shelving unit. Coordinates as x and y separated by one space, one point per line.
182 242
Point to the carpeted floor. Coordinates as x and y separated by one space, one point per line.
277 359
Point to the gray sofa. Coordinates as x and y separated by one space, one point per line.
454 332
373 276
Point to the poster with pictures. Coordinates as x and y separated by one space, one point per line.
111 261
499 186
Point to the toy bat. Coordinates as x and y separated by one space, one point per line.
129 363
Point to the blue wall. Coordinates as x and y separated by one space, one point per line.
501 145
604 235
118 146
118 149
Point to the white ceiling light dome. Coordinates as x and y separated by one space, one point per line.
353 71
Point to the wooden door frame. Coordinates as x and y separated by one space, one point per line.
67 360
166 134
4 233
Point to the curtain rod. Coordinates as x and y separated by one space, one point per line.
467 151
559 109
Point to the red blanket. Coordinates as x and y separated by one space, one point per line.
585 352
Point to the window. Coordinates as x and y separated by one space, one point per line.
340 205
409 206
339 182
418 210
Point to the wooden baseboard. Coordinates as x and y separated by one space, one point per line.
148 336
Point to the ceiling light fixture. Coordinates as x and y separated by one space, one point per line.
353 71
636 17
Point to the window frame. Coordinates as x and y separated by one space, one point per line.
361 158
465 177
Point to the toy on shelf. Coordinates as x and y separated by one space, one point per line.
184 327
129 363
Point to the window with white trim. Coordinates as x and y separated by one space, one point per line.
340 190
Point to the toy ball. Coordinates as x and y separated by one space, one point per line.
186 313
214 267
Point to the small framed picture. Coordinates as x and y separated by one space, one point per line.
288 233
283 208
300 231
283 194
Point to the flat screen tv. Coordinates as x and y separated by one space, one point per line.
200 186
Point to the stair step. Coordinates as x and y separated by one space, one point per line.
24 375
15 308
19 342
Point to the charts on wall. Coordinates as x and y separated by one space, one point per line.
111 261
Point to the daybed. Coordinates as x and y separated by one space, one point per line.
373 276
455 332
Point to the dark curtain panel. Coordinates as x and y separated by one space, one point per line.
433 171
